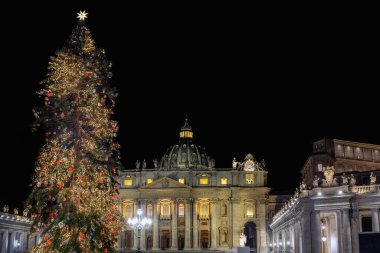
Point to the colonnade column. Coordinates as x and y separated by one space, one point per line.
316 246
347 248
375 220
11 246
4 240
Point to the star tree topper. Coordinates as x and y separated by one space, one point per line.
82 15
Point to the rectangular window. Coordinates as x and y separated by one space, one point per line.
349 152
358 153
249 210
181 210
339 150
181 180
223 181
376 155
149 180
149 210
320 168
203 181
367 154
128 210
128 182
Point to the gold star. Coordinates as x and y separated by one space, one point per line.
82 15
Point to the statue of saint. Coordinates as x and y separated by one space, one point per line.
155 163
296 194
137 164
243 239
344 179
25 212
302 186
372 178
5 209
315 181
15 211
352 180
144 164
234 163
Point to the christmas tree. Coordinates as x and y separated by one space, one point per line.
74 198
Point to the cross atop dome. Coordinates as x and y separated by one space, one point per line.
186 131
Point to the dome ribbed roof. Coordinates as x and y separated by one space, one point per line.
186 154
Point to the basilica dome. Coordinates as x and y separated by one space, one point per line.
186 154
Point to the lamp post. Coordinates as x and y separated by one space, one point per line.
137 222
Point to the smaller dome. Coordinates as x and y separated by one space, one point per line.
186 154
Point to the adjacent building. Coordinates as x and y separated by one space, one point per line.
337 206
15 232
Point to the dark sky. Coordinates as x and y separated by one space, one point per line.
264 81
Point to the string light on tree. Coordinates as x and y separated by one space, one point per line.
74 198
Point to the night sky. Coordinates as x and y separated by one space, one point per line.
257 81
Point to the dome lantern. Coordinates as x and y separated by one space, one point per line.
186 131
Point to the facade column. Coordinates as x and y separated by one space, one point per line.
187 225
316 246
195 226
174 243
236 229
135 237
155 226
4 241
143 239
347 248
375 220
263 226
214 219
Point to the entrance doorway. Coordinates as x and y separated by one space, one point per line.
181 242
165 239
250 233
204 239
149 242
128 239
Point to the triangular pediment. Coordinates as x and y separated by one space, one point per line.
164 183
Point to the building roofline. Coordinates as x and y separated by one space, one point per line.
354 143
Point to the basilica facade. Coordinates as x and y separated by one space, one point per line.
192 204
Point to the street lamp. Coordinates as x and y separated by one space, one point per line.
137 222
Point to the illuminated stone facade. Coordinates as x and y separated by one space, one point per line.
15 232
337 208
194 205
